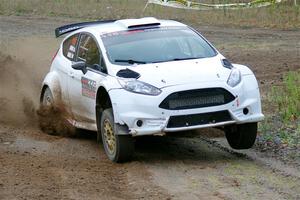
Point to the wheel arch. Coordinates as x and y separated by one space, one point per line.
103 102
44 87
52 82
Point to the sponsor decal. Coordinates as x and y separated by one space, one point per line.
71 51
88 88
72 48
70 55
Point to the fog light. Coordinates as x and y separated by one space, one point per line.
139 123
245 111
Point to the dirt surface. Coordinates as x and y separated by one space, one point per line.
34 165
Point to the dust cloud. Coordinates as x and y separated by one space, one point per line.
18 96
23 64
53 120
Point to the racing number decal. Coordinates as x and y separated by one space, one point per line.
88 88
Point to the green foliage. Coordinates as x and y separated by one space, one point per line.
287 97
283 129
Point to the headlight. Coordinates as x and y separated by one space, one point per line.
235 77
133 85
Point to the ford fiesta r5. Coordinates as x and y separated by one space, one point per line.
137 77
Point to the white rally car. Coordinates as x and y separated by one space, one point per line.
145 76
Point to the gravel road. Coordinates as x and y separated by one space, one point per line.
34 165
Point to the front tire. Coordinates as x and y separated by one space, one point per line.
118 148
241 136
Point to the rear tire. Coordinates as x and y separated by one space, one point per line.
47 99
53 118
46 104
241 136
118 148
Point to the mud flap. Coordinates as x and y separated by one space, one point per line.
121 129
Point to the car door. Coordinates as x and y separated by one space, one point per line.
83 87
64 65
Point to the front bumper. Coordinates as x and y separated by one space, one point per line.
129 108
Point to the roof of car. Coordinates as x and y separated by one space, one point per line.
110 26
120 25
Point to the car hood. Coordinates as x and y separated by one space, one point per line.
182 72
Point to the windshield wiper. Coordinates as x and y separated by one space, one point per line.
131 61
177 59
189 58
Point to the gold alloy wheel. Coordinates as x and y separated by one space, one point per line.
109 136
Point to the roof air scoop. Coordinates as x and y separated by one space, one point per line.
138 23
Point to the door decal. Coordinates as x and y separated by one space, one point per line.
88 88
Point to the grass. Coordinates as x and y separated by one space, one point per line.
287 97
283 129
283 16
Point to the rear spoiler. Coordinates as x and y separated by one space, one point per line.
73 27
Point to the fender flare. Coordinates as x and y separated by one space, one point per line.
108 84
52 81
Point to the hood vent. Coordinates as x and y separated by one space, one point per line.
127 73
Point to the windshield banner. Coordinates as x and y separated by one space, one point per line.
203 6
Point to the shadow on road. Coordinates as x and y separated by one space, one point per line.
187 146
181 148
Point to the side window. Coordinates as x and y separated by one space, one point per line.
88 52
69 47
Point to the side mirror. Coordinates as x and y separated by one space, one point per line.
80 65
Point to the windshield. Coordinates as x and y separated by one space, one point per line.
155 45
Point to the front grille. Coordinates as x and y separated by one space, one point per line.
197 99
198 119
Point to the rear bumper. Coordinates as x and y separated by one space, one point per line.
129 108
